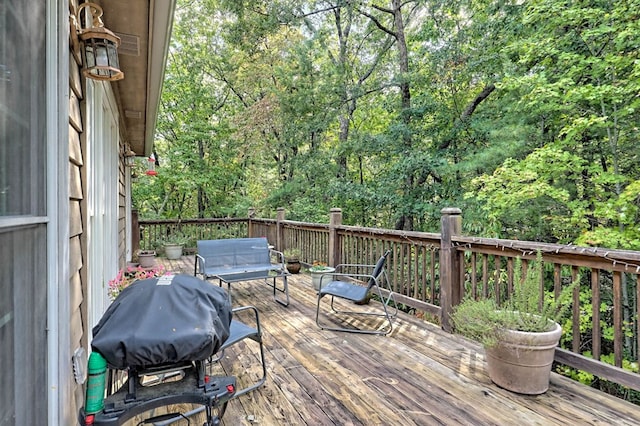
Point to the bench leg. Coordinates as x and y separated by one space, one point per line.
284 289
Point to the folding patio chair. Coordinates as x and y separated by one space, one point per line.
351 286
239 331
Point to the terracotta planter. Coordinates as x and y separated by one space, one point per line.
147 259
522 361
173 251
293 267
315 277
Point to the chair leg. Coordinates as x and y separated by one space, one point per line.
284 289
260 381
242 333
386 330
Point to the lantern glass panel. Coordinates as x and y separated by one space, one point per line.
90 57
102 59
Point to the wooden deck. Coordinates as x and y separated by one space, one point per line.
417 375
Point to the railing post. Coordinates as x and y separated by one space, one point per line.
280 215
335 220
135 232
251 213
451 224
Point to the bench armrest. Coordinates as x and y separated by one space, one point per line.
199 266
279 257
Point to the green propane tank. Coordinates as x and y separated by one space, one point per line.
97 370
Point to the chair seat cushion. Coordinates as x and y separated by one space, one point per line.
345 290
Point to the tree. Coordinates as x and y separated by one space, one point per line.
576 69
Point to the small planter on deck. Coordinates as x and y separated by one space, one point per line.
147 258
316 276
173 251
292 258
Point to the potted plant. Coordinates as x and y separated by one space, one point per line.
520 336
317 270
173 245
146 258
131 274
292 257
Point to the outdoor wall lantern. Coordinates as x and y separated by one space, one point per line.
100 50
129 156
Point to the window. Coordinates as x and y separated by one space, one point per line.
23 263
22 108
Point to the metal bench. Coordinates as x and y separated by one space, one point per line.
242 259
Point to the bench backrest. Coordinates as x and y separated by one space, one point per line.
234 252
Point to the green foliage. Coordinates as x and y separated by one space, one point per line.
483 320
292 254
547 181
178 238
604 385
523 114
623 210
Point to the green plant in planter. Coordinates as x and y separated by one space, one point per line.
175 238
292 255
519 336
320 267
173 244
484 321
317 271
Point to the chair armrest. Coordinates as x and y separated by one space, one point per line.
347 266
279 256
200 262
252 309
340 276
345 275
361 278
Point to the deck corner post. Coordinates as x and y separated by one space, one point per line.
135 232
451 224
335 220
280 216
251 213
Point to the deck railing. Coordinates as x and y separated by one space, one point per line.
432 272
153 233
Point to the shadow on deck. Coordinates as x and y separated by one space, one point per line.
417 375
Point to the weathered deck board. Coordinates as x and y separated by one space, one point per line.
418 375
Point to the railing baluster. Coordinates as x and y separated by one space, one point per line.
596 333
576 311
617 318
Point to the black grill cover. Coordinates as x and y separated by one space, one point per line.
163 320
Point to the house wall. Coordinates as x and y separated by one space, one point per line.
77 214
79 188
122 211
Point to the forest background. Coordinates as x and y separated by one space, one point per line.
524 114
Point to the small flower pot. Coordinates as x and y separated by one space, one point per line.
317 275
147 259
173 251
293 267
